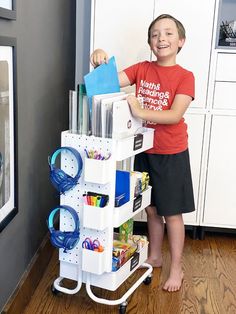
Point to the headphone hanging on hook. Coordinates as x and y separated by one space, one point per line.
62 181
66 240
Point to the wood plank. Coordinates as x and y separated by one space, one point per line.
30 280
209 285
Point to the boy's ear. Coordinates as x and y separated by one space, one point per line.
181 42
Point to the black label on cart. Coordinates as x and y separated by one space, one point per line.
134 261
137 202
138 141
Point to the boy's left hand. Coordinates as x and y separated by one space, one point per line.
135 106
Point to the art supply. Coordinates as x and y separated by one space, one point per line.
94 154
94 199
92 245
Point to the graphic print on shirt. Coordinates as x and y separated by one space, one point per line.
152 97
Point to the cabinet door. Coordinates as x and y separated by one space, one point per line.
195 124
220 195
224 95
195 55
120 28
226 67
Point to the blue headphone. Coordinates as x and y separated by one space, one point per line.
66 240
62 181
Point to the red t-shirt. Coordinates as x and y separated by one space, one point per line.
157 86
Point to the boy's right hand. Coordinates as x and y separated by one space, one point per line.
98 57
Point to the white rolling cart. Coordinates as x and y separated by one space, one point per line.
98 176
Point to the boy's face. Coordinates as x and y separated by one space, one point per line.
165 41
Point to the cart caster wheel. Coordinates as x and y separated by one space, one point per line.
54 290
147 280
122 308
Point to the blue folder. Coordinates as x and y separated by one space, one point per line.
102 80
122 190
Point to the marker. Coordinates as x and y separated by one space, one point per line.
89 199
85 197
98 201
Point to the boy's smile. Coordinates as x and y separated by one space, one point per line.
162 46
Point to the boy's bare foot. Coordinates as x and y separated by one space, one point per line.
154 262
174 281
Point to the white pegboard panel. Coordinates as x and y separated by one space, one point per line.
74 197
72 256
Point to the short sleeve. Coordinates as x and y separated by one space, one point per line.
187 85
132 73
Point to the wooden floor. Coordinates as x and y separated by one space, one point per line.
209 285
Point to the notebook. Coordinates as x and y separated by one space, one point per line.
124 124
107 115
97 122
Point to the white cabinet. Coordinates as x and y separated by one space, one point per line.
220 194
120 28
219 201
226 67
224 95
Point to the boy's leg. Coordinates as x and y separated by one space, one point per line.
155 236
176 235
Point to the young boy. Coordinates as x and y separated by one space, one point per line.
166 90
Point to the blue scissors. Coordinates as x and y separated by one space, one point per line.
91 245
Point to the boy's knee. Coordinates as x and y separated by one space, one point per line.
151 211
174 218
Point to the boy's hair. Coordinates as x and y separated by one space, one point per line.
179 25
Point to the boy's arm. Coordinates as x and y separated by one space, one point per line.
99 57
171 116
123 79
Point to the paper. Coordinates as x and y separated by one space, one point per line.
73 111
85 124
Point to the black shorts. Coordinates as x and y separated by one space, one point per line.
171 181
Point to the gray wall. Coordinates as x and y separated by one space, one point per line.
83 13
45 32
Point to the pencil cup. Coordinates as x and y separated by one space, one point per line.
97 171
96 217
93 262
